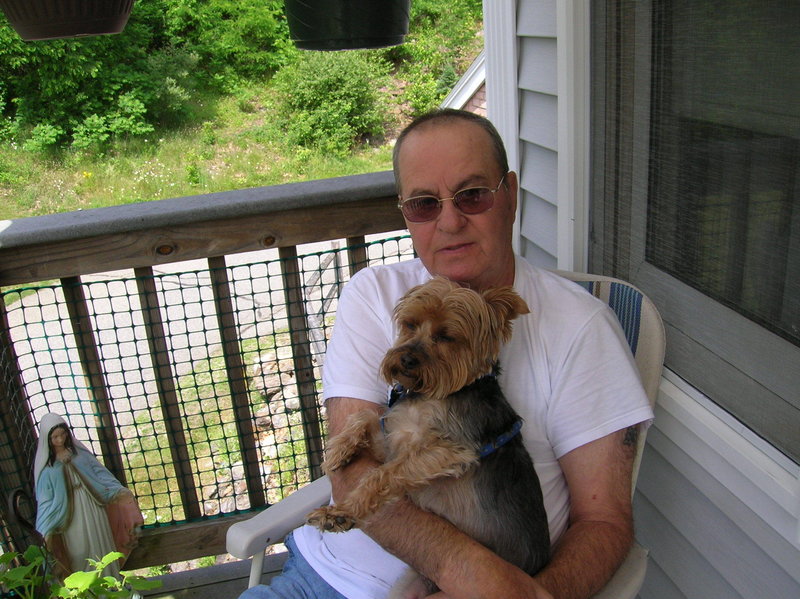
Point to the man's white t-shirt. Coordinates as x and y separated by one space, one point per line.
567 370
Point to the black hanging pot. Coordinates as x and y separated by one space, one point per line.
347 24
50 19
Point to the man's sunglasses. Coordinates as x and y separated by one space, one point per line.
473 200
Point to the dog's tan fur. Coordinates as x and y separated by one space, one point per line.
449 337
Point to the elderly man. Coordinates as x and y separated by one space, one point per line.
567 371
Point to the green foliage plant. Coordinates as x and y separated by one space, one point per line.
235 39
44 138
92 133
147 75
331 100
127 118
169 85
33 578
441 42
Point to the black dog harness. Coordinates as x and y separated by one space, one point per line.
400 393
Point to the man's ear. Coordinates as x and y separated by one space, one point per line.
512 183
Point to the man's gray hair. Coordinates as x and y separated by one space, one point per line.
444 115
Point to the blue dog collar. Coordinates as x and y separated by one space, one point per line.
490 448
399 393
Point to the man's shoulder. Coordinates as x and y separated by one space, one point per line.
547 289
398 277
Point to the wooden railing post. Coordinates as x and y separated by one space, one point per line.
89 355
237 380
167 393
301 354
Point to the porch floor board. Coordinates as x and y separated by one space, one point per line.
222 581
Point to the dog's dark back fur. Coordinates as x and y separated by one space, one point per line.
508 515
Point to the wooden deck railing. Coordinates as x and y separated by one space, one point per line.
66 250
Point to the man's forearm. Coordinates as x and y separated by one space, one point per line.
586 556
460 566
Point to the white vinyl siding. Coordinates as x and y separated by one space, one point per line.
717 510
538 131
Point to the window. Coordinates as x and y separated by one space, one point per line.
696 192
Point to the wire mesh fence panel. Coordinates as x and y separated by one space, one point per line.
197 385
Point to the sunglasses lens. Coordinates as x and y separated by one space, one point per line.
474 200
421 209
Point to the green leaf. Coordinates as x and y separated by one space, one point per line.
140 583
80 581
108 558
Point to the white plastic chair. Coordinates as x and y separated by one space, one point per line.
645 333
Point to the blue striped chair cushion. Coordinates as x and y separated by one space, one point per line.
626 302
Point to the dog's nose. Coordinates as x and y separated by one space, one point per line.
409 361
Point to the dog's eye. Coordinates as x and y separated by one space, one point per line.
443 337
408 326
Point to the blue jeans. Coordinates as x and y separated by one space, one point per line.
298 580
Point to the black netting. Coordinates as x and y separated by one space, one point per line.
175 360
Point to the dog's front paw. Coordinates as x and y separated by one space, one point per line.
330 519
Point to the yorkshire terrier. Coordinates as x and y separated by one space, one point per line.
450 440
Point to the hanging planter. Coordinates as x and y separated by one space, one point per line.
347 24
50 19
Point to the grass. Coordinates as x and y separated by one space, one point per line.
237 147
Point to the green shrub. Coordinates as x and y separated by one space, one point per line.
332 100
234 38
44 138
169 83
7 129
127 118
422 93
92 134
168 51
440 45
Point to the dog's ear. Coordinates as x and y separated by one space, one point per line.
505 303
429 293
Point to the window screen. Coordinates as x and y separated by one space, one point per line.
696 121
725 155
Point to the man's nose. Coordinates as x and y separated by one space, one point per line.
450 219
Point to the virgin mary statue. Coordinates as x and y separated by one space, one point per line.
82 510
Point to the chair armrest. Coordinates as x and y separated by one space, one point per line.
628 580
249 537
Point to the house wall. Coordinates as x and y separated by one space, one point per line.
538 131
718 508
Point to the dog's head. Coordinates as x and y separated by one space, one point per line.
448 335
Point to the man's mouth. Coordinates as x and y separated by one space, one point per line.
455 248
